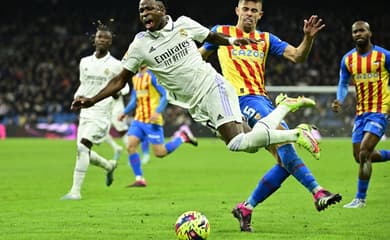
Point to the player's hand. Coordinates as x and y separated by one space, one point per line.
312 26
245 41
336 106
121 116
81 102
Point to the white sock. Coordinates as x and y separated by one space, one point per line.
260 136
80 170
112 142
125 139
273 119
100 161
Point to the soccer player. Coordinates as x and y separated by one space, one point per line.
244 67
149 100
368 67
168 48
94 123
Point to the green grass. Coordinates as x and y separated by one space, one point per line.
35 173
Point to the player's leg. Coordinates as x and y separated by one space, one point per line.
136 134
368 131
115 146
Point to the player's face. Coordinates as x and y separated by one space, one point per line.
103 40
151 15
248 13
361 34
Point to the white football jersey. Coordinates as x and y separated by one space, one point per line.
174 58
95 73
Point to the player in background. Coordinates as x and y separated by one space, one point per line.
149 100
168 49
367 66
244 67
94 123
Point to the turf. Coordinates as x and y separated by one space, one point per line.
35 173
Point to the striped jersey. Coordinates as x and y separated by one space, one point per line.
146 97
244 66
370 75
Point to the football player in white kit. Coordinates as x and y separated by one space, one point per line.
168 48
94 123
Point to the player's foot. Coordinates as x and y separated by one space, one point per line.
110 173
307 140
71 196
145 158
294 103
243 216
188 137
324 198
356 203
117 153
138 183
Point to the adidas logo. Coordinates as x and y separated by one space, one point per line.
219 117
152 49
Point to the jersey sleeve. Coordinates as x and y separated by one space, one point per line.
277 46
198 32
132 102
133 59
344 78
163 96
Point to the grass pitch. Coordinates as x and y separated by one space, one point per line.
35 173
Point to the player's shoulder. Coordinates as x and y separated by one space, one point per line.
381 49
86 59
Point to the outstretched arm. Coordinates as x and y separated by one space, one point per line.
310 29
221 39
113 86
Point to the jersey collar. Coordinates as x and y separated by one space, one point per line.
167 28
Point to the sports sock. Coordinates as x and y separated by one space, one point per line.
297 167
135 163
273 119
80 170
173 144
145 147
385 155
99 161
270 182
259 137
112 142
362 188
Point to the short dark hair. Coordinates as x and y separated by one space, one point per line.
163 3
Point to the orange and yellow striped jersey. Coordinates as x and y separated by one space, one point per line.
146 97
244 66
370 75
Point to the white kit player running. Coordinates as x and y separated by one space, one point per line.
94 123
168 48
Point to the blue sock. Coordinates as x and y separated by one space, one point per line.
297 167
145 147
385 155
135 163
362 188
270 182
172 145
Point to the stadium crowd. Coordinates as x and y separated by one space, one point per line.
41 50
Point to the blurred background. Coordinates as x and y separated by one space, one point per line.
42 42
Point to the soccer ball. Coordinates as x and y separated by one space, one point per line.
192 225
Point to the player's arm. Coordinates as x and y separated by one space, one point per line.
163 100
208 48
130 105
342 88
225 40
113 86
310 29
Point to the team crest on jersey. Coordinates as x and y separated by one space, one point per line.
107 71
183 33
257 116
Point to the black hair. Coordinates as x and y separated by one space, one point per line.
100 26
163 3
